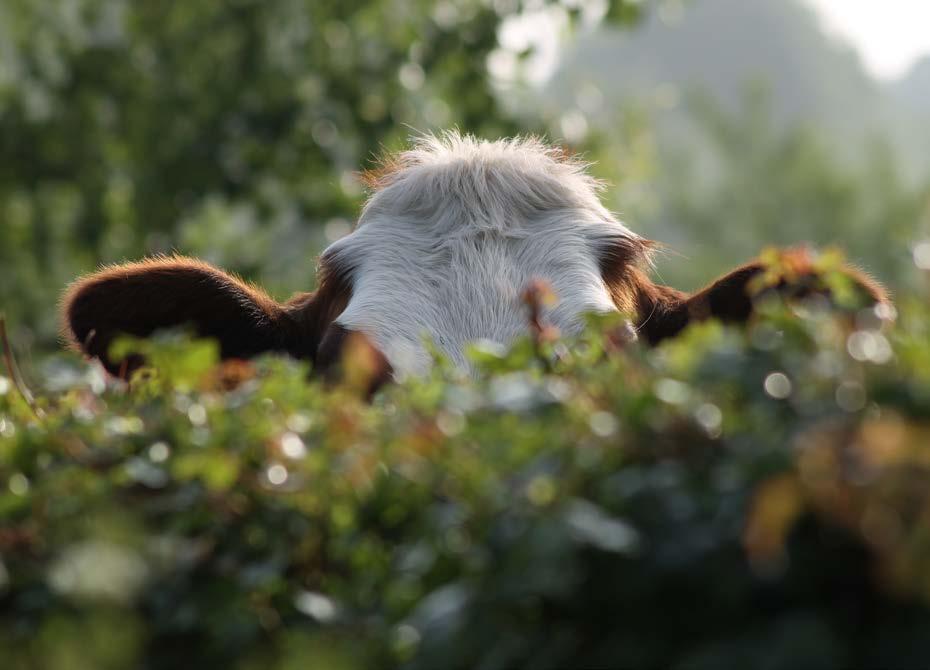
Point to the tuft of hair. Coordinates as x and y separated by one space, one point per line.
495 185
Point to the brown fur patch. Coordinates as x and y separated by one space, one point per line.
386 167
139 298
312 313
352 358
621 262
142 297
661 312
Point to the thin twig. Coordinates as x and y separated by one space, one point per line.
13 371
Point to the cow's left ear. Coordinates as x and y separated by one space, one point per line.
140 298
793 273
662 312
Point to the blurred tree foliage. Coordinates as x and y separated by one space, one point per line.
783 186
229 129
735 181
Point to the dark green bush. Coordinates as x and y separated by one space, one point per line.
735 498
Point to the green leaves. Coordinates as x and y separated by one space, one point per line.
177 361
556 507
218 471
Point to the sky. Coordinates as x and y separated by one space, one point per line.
890 34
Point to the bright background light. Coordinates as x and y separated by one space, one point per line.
890 34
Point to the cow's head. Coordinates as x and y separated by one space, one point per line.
454 231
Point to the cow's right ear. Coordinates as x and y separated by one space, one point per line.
140 298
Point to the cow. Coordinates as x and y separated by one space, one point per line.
454 230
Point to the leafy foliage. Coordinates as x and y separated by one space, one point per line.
735 497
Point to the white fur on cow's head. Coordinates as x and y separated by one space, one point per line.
455 230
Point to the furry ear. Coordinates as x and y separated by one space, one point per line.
664 312
140 298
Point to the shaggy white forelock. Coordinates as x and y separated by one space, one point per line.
454 232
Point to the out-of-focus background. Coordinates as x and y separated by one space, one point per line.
234 130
